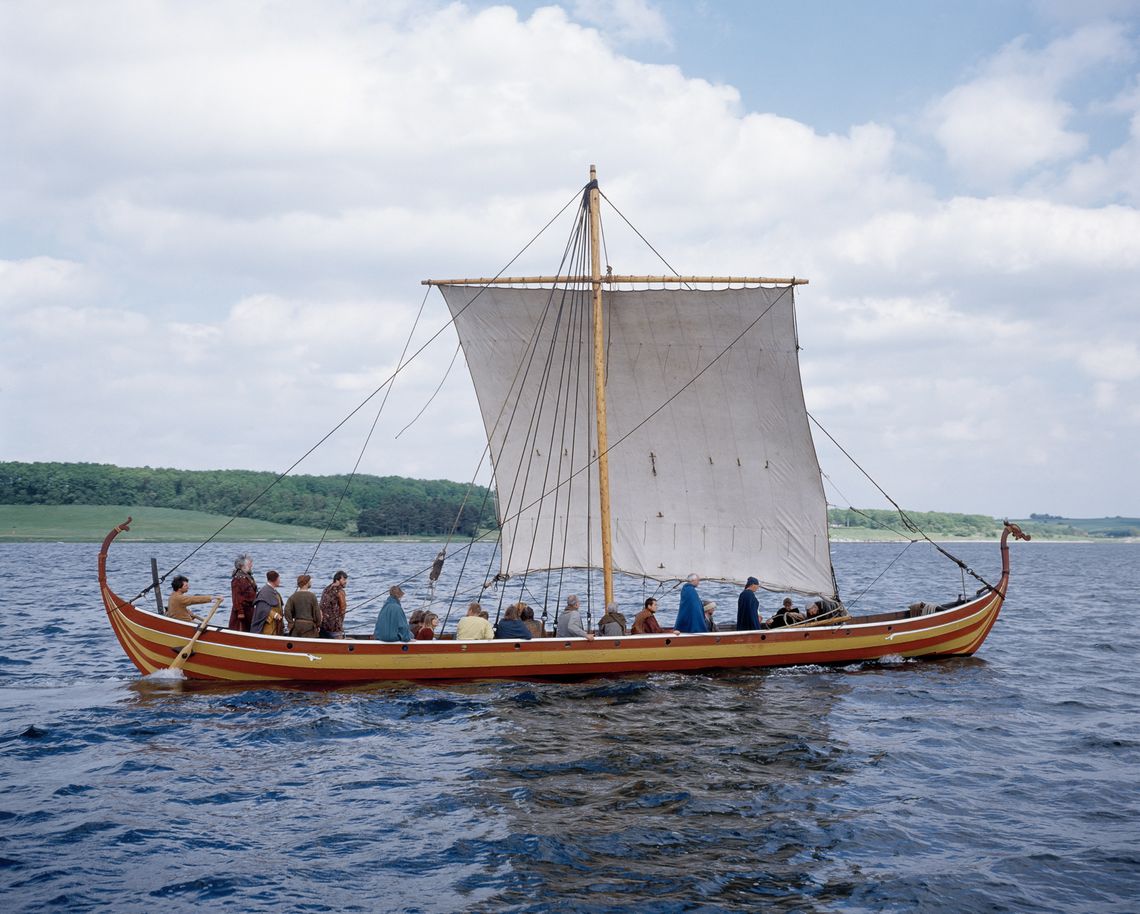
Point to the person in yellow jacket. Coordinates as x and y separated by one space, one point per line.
473 627
181 600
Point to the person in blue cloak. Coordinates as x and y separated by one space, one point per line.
391 623
691 614
748 607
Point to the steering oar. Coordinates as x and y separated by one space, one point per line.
184 654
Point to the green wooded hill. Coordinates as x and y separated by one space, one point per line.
372 505
880 523
397 506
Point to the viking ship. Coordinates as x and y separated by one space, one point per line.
648 426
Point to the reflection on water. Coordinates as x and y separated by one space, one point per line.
675 787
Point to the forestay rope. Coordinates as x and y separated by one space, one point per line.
908 522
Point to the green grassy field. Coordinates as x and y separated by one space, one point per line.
1039 532
90 523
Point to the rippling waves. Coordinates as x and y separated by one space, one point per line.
1007 782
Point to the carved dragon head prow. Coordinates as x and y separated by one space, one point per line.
1016 531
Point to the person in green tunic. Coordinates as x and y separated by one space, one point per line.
302 612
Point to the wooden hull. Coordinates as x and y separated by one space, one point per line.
152 642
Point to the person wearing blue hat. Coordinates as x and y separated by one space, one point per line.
748 607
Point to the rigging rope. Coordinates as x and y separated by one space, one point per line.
435 393
368 437
249 504
881 573
906 519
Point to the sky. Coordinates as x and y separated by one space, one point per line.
215 219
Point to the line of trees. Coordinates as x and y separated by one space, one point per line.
933 522
371 506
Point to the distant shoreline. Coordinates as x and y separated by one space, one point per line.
91 523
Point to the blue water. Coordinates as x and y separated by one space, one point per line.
1005 782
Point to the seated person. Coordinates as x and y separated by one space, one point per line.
511 626
709 607
613 622
826 611
474 626
786 615
645 623
526 614
426 630
391 623
416 620
570 621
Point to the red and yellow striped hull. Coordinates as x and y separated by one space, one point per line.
152 642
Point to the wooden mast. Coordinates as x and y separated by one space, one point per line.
594 199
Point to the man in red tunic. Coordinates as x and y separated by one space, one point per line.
243 589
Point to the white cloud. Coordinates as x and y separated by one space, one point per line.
628 21
1116 175
1111 360
1011 117
39 281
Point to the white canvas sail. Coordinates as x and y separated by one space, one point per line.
716 475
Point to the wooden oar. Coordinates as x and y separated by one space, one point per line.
184 654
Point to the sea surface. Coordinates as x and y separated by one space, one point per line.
1005 782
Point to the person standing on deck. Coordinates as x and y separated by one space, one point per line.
302 612
570 622
691 613
333 606
748 607
181 601
243 589
267 608
391 623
